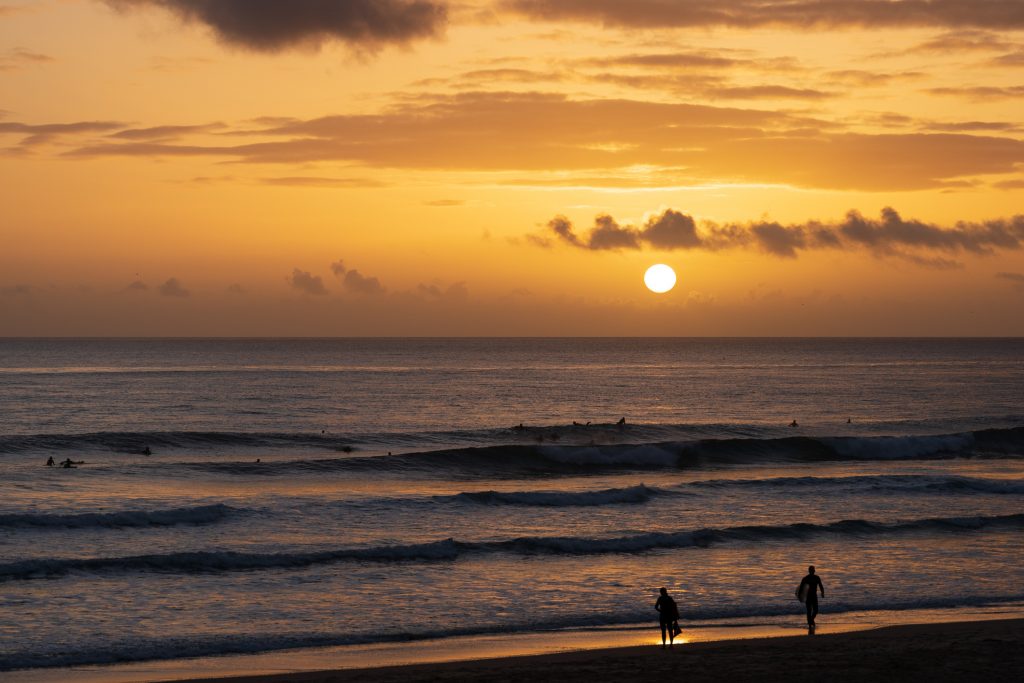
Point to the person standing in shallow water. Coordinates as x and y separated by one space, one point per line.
668 616
808 592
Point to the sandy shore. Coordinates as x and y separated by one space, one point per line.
963 651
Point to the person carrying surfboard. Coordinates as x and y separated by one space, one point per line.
807 592
668 616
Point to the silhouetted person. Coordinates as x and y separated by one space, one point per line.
793 424
147 451
668 617
68 464
813 584
50 462
849 420
621 422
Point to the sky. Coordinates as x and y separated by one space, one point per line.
511 167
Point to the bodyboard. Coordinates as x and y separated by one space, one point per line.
801 593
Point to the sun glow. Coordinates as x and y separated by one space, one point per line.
660 278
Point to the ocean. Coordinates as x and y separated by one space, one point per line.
307 493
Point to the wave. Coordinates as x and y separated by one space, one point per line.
201 514
451 549
632 494
903 483
175 646
522 459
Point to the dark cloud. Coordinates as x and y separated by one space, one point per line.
173 288
271 25
1015 184
888 235
235 289
1011 59
356 282
991 14
16 290
136 286
307 283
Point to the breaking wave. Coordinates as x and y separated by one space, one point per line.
451 549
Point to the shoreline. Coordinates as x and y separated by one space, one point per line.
285 665
938 652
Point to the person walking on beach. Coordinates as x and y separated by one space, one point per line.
668 616
807 592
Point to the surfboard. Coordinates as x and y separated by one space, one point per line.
802 593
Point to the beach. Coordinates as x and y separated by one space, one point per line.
961 651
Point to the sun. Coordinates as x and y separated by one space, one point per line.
659 278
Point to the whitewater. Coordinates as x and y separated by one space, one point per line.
315 493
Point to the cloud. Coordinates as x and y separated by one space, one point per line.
173 288
1015 279
136 286
307 283
272 25
684 144
319 181
360 284
992 14
235 289
757 92
889 235
981 92
969 40
164 132
37 134
18 57
1015 184
356 282
16 290
445 202
455 292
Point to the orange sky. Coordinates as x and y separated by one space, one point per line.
511 167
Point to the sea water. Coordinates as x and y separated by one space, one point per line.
303 493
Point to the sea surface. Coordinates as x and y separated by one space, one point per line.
304 493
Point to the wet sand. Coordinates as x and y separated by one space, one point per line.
960 651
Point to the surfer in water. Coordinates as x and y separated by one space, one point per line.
50 462
668 616
807 591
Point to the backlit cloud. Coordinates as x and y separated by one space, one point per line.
307 283
356 282
480 131
888 235
173 288
991 14
271 25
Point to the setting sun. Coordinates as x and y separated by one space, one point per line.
660 278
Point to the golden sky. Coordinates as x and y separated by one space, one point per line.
511 167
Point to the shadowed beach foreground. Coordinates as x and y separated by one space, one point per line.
964 651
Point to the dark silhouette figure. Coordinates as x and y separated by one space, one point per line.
793 424
808 591
849 420
68 464
668 617
147 451
621 422
50 462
